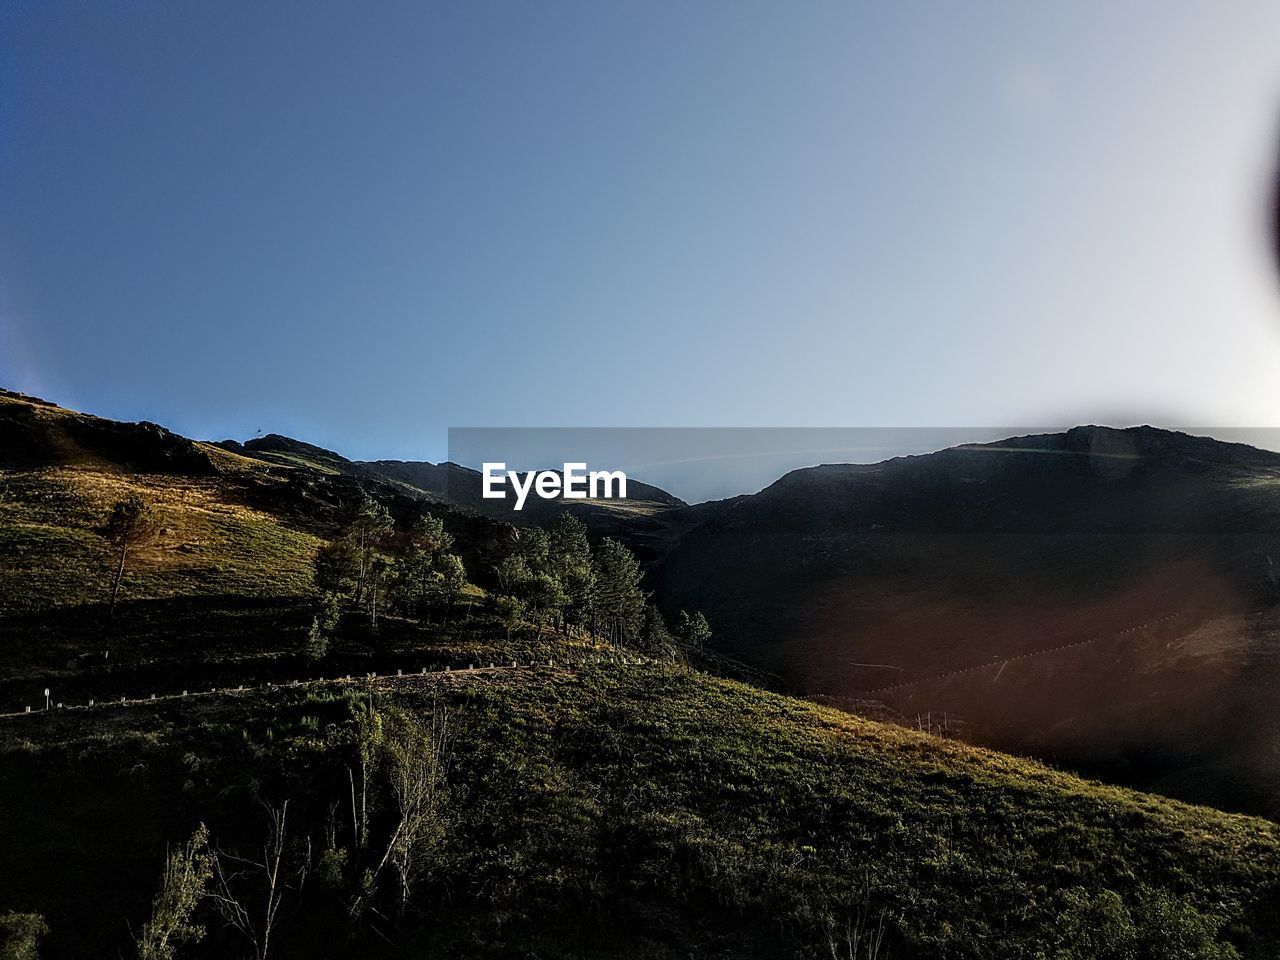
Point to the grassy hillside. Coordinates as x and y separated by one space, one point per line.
214 549
227 581
51 521
633 811
606 806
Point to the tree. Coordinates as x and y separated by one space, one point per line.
421 578
250 890
335 567
453 576
1173 929
415 579
533 545
655 638
424 567
368 732
1093 923
322 626
618 600
419 771
370 525
692 632
544 598
570 556
510 611
417 767
429 535
379 567
529 557
513 573
187 872
132 524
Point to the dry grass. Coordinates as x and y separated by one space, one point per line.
56 555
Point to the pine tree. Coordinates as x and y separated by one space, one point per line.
370 525
428 534
692 632
132 524
322 627
570 556
452 576
618 600
655 639
510 611
335 567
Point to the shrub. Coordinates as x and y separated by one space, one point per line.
1095 925
20 935
1175 930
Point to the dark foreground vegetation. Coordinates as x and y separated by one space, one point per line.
602 810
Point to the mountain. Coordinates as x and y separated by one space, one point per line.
230 570
594 802
274 448
35 432
463 487
1102 597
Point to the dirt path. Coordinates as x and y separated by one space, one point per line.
470 671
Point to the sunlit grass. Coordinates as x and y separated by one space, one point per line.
57 554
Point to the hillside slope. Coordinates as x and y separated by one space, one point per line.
226 584
632 811
1101 596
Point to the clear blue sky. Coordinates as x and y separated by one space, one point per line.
361 224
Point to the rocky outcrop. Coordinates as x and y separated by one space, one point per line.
35 433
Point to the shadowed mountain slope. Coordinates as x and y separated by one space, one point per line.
1102 596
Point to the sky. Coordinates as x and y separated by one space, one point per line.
362 225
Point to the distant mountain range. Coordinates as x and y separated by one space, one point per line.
451 483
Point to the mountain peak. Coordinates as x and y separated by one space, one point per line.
1144 441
